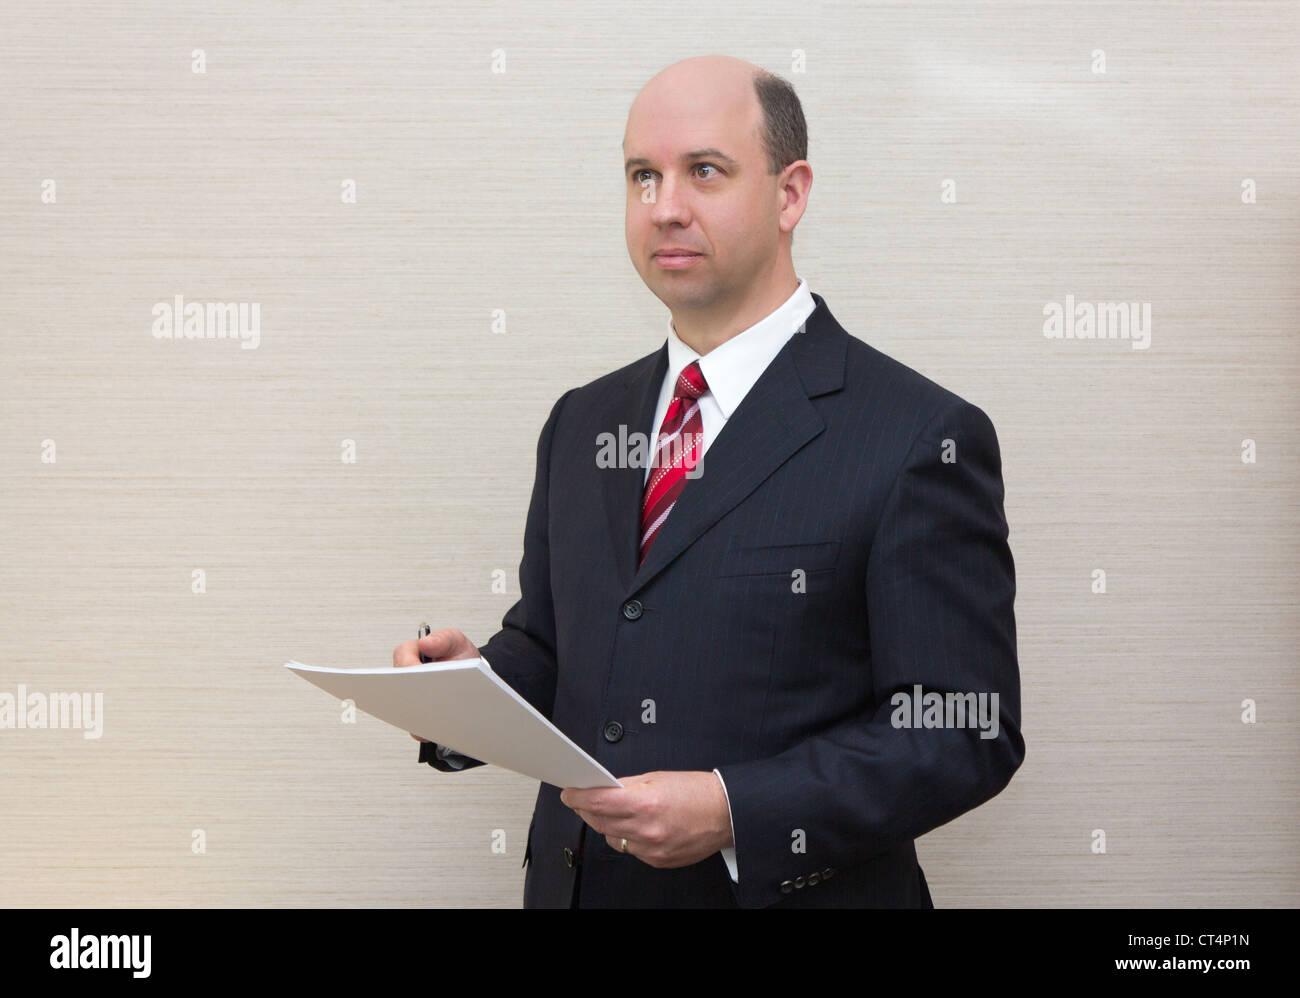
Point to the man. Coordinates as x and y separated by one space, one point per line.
729 631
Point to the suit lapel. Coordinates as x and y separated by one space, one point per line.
772 422
621 487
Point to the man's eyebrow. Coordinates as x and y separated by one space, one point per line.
691 156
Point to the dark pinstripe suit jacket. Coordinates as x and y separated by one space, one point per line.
827 557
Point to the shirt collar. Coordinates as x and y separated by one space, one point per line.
732 367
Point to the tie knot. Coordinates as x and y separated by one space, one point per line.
690 383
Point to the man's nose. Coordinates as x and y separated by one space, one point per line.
669 205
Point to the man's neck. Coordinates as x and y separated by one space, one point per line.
706 330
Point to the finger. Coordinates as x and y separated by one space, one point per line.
624 802
611 803
430 646
442 645
575 798
631 781
617 830
603 826
593 821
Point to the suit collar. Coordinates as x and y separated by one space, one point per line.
774 420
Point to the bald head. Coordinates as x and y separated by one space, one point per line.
750 91
723 82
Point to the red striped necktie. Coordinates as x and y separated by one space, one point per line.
677 450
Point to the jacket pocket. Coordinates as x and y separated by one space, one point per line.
779 559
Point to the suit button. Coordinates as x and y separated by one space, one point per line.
828 873
613 731
786 887
814 879
798 883
632 609
568 857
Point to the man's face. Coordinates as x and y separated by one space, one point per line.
697 180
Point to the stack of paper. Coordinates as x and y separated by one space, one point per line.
466 706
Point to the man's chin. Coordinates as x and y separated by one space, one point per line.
684 293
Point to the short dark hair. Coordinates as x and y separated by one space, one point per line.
784 132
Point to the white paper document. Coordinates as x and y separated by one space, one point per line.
465 706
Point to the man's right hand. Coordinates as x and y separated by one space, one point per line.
439 646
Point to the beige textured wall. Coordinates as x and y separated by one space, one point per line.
479 191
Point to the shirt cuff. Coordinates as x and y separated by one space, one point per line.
729 854
450 756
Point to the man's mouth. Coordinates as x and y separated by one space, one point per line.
676 258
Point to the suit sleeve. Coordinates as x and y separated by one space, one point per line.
523 651
940 588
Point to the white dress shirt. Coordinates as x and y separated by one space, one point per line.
730 370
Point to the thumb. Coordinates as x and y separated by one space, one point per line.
435 644
628 781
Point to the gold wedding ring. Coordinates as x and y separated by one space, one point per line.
623 847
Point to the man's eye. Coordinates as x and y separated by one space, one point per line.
638 175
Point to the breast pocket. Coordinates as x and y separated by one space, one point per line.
779 559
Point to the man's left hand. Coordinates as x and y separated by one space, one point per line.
669 819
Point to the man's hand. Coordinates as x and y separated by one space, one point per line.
440 646
669 819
